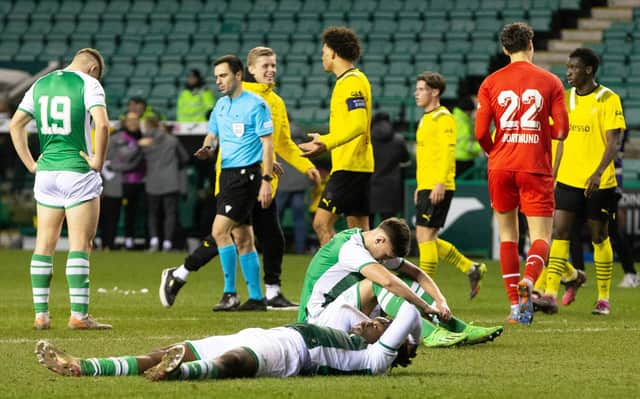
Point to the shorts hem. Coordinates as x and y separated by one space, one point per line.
193 349
49 206
253 354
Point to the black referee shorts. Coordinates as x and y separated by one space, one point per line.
430 215
599 206
238 194
347 193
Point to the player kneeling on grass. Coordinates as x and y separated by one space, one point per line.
370 347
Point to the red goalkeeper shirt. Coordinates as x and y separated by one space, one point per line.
520 98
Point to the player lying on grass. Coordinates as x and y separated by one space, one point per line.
377 255
370 347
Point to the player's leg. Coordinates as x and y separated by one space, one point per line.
60 362
323 224
221 232
623 249
49 225
426 233
236 363
475 271
268 232
174 278
153 220
505 198
82 220
250 266
599 207
170 213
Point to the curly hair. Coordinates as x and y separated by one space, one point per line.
343 41
516 36
588 58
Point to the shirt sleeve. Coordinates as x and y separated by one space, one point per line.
352 98
354 256
446 138
212 126
614 117
484 115
263 121
559 114
93 94
27 104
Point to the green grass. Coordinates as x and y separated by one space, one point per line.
567 355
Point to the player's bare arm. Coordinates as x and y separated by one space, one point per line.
427 284
265 195
18 131
208 146
101 138
593 183
380 275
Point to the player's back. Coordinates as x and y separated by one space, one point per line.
520 98
60 101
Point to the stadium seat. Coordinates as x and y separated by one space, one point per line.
340 6
305 45
296 65
142 7
308 22
18 24
302 114
40 23
540 19
364 6
144 70
160 24
186 6
431 43
178 45
87 25
416 6
457 42
138 90
426 62
487 21
8 48
232 23
378 43
290 93
112 24
23 7
130 46
374 65
286 24
385 22
279 42
54 50
95 6
264 7
360 23
321 114
122 69
477 64
289 7
410 22
405 43
241 7
461 20
82 41
107 46
436 21
317 87
258 23
315 7
207 24
29 51
310 102
118 7
513 15
164 90
334 18
185 24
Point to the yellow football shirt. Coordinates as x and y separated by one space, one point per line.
590 117
351 98
435 150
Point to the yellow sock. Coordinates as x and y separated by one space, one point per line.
541 284
558 255
451 255
603 259
570 272
429 257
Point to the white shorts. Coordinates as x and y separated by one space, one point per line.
64 189
343 313
280 351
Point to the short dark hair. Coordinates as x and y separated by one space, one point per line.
138 100
399 235
587 56
433 80
235 64
343 41
516 36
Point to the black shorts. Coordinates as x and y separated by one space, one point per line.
238 194
600 206
347 193
430 215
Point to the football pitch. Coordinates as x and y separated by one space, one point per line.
570 354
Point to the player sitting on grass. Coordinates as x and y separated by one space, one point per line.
354 255
370 347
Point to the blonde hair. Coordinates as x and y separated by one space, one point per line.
259 51
95 54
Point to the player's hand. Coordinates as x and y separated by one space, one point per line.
278 170
265 195
203 153
444 313
593 183
93 162
145 142
437 194
314 175
426 311
32 168
313 147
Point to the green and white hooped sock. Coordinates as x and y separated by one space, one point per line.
41 272
198 370
110 366
78 281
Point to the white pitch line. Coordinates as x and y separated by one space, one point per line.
174 338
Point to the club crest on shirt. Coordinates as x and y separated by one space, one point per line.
238 129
